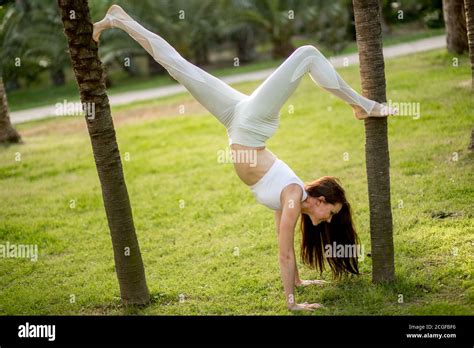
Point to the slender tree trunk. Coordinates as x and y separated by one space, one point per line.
8 134
89 76
455 23
469 7
369 43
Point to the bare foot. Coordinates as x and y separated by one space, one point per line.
114 12
379 110
104 24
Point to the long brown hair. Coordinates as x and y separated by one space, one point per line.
340 231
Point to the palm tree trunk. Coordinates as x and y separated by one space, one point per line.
89 76
455 23
369 42
8 134
469 7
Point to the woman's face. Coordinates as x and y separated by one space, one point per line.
323 211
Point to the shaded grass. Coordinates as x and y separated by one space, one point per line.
219 251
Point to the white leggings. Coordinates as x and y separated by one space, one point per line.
249 120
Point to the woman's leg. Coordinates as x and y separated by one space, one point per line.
214 94
270 96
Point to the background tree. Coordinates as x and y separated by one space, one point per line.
469 6
242 34
44 40
8 134
244 37
372 72
195 22
89 76
15 64
328 23
429 12
32 42
455 21
273 17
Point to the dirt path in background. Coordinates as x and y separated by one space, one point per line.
122 117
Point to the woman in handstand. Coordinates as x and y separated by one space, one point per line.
250 120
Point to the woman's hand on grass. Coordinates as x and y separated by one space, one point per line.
300 282
305 306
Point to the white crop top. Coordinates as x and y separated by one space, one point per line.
268 189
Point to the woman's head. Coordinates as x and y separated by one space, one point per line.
327 228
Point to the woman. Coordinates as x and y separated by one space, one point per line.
250 121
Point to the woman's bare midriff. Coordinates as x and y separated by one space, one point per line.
251 163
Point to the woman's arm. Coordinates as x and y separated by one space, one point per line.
291 207
277 225
298 280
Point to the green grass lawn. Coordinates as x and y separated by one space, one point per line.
219 251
